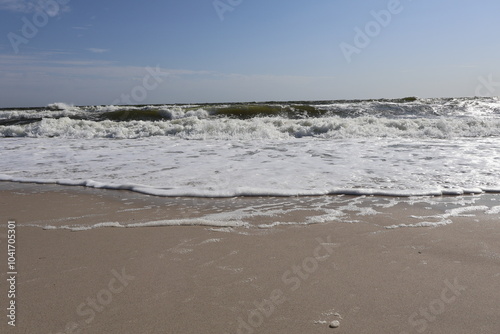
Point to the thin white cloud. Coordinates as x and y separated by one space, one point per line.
83 27
42 63
96 50
52 8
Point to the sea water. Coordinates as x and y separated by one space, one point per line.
403 147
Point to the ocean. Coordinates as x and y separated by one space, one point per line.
402 147
390 147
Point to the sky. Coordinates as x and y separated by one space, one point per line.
194 51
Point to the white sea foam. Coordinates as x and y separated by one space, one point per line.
444 219
461 212
171 167
422 224
189 222
328 216
61 106
494 211
193 125
158 223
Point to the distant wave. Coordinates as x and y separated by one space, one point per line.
409 117
406 107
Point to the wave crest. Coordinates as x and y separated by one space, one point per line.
260 128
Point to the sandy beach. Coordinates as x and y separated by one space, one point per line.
248 279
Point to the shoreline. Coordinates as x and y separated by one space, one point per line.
124 208
246 192
293 278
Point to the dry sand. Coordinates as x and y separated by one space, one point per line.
287 279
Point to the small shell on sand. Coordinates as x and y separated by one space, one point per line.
334 324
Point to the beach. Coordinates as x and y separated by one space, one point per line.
366 271
246 167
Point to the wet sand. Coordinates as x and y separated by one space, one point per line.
200 279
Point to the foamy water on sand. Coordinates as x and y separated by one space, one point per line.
221 168
248 215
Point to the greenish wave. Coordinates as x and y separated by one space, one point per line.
133 115
247 111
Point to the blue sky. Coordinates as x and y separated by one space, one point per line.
161 51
